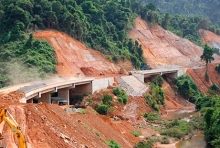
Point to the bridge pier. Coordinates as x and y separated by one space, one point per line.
64 93
44 98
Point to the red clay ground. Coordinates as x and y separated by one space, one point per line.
49 126
198 76
208 37
162 47
74 57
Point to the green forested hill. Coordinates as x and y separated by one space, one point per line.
185 18
206 8
100 24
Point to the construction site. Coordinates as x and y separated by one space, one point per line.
49 113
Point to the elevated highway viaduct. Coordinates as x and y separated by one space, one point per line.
42 90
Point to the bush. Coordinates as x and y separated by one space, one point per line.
151 116
82 111
158 80
165 140
187 88
215 87
155 98
107 100
113 144
148 144
102 109
217 68
120 93
136 133
116 91
174 132
123 99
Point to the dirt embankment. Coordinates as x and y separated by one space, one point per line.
73 57
162 47
49 126
198 76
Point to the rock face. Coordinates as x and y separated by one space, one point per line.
161 47
74 58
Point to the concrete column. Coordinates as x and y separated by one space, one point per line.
64 93
45 98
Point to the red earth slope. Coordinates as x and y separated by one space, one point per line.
49 126
74 57
198 76
209 37
162 47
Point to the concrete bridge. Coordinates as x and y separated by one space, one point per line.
42 90
171 72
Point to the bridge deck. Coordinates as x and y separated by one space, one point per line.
155 71
45 84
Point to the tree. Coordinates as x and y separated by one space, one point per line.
165 22
207 57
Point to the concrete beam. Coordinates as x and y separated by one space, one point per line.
82 89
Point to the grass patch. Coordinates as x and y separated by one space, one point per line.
178 128
82 111
113 144
136 133
151 116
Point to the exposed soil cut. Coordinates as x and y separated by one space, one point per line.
162 47
198 76
73 57
209 37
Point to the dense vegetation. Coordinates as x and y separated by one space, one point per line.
156 97
25 60
207 8
102 25
209 104
186 88
177 17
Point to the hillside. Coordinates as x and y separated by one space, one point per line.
81 38
208 9
162 47
73 57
